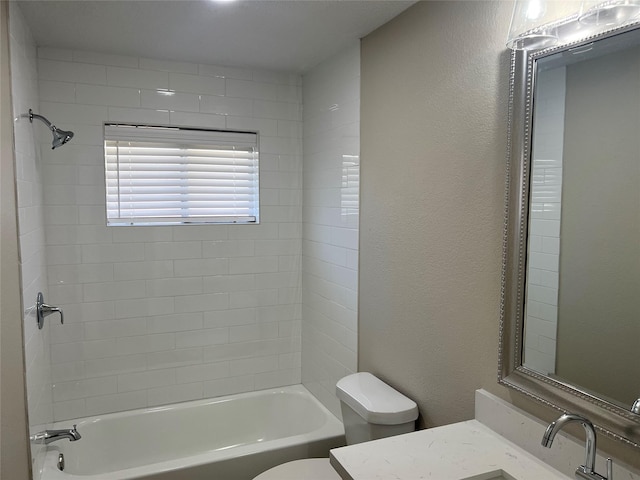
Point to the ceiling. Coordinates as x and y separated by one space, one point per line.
288 35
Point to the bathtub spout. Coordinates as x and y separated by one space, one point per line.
49 436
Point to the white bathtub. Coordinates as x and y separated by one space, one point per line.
227 438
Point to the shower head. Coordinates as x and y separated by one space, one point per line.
60 137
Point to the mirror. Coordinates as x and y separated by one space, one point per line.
582 302
570 327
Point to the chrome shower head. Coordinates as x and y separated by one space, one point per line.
60 137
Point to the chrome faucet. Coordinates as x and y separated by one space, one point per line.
49 436
587 470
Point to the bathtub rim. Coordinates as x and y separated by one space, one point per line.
331 428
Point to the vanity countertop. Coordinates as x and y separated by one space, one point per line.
466 450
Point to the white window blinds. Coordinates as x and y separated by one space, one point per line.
164 175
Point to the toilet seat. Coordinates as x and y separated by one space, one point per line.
307 469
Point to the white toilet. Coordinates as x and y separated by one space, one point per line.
371 409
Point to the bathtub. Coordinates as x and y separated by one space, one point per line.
226 438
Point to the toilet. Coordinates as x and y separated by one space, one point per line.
371 409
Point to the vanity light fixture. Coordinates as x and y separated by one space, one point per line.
608 14
539 24
533 24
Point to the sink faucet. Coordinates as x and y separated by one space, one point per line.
49 436
587 470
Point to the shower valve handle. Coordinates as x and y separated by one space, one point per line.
43 310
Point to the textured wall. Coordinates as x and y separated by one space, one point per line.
434 99
331 183
14 447
434 123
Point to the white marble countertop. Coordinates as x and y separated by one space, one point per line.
466 450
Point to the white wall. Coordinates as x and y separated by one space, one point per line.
330 223
29 174
155 315
543 252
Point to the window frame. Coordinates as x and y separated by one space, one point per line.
225 138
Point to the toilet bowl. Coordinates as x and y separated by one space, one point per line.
371 409
306 469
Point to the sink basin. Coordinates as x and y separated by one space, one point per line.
493 475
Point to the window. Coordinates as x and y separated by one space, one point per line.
168 176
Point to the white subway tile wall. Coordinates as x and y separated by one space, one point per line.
156 315
544 234
330 223
30 175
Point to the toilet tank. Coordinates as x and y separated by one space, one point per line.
371 409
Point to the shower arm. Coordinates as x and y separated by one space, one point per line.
41 118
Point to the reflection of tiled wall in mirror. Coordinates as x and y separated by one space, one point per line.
544 230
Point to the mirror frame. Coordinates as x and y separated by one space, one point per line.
613 420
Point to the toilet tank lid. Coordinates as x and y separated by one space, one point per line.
375 401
